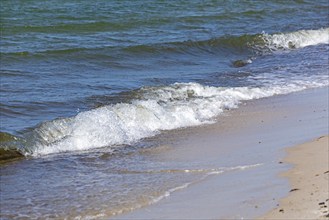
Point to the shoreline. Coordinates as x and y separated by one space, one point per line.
258 132
309 194
237 161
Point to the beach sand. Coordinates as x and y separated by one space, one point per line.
258 132
309 178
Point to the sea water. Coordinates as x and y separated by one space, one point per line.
86 84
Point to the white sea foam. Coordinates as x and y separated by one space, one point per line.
298 39
161 108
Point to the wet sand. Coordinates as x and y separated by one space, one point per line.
309 180
258 132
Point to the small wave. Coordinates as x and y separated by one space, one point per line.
160 196
255 44
208 172
85 27
294 40
157 109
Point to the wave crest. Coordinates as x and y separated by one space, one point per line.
298 39
159 108
248 43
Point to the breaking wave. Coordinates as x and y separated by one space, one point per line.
158 108
155 109
298 39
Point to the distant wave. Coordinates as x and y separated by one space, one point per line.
257 44
298 39
77 27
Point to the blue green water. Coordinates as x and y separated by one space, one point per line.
58 58
84 75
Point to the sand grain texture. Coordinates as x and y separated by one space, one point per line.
308 197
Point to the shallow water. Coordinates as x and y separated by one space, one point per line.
87 86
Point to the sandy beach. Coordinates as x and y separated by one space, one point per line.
309 194
260 133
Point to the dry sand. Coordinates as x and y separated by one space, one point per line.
309 178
